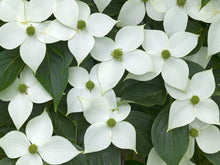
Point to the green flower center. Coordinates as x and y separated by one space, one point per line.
111 123
165 54
117 54
144 0
181 2
195 100
90 85
22 88
194 132
32 148
30 30
81 25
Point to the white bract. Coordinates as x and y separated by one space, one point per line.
102 4
133 12
120 55
195 102
207 136
176 15
108 125
166 56
81 38
25 91
24 28
38 144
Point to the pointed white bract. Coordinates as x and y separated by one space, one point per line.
133 12
23 28
195 102
25 91
107 125
37 144
121 55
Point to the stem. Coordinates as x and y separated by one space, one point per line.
123 157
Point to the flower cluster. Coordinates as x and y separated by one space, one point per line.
136 52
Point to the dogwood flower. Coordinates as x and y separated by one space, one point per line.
210 13
207 136
108 125
85 86
25 91
176 15
133 12
195 102
165 54
38 144
81 39
24 28
120 55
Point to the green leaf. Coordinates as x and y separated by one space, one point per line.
4 117
54 71
10 67
204 2
172 145
145 93
63 126
7 161
133 162
142 123
214 158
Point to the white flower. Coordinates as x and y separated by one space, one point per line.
214 38
108 125
85 86
195 102
165 54
133 12
22 94
120 55
81 38
207 136
102 4
24 28
38 144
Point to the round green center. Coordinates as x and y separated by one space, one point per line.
22 88
90 85
111 123
195 100
117 54
165 54
181 2
144 0
194 132
32 148
81 25
30 30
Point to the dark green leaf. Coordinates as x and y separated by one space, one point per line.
194 68
54 71
145 93
142 123
7 161
133 162
172 145
10 67
214 158
204 2
4 117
